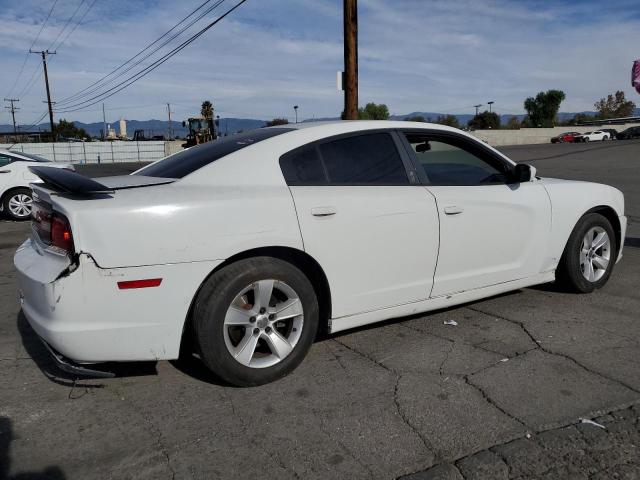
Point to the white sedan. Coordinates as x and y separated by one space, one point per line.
246 246
597 136
15 176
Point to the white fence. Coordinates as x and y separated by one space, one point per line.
96 152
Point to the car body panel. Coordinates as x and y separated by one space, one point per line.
182 231
377 244
494 238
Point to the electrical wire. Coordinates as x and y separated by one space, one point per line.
100 83
26 57
66 24
142 73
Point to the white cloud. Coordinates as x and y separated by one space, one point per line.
268 56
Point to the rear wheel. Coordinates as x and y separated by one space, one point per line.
17 204
255 320
588 258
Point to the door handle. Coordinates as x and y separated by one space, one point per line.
453 210
5 171
323 211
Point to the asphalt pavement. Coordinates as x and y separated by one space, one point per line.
532 384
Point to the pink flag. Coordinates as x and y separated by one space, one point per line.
635 75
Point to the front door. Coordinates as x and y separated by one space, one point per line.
491 230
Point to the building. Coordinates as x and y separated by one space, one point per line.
123 128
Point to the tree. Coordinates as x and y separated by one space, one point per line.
277 121
415 118
450 120
66 129
615 106
485 120
207 110
372 111
543 109
513 123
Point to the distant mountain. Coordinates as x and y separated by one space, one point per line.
232 125
155 127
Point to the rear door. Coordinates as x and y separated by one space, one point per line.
491 230
373 231
7 172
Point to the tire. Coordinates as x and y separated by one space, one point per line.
573 272
227 319
586 140
17 203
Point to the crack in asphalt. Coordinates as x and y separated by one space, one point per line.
558 354
159 442
425 441
490 400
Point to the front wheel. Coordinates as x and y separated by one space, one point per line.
589 256
17 204
255 320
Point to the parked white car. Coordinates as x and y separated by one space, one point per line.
15 176
250 244
597 136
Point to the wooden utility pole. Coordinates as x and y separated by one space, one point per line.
169 112
13 109
44 54
350 83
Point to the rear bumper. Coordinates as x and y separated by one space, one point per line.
85 317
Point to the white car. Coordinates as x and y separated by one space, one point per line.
250 244
597 136
15 177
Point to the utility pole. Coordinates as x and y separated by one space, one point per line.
104 124
44 54
13 110
350 84
477 107
169 112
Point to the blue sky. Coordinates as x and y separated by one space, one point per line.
415 55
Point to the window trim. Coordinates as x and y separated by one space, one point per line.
475 148
407 163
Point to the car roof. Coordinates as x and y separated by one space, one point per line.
355 125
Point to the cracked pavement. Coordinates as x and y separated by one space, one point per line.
499 395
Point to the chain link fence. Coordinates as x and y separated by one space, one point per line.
96 152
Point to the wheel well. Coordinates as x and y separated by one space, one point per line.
299 259
611 215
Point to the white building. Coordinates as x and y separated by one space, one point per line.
123 128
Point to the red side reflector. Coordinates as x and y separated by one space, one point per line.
151 282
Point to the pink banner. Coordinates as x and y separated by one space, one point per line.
635 75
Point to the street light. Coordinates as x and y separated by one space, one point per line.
477 107
295 107
490 103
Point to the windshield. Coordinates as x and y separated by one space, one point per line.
32 157
188 161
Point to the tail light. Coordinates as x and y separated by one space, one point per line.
61 236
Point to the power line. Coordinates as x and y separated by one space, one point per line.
66 24
77 24
97 85
26 57
142 73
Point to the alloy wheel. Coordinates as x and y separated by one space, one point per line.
595 254
263 323
20 205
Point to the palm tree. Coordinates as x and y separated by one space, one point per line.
207 110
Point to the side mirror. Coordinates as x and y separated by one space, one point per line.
524 173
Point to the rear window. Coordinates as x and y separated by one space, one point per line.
188 161
366 159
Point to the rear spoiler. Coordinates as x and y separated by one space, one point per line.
68 181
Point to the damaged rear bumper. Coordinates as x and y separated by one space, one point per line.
69 366
80 312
